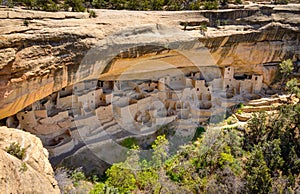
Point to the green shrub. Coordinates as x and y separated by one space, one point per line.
156 4
10 3
209 5
121 178
26 23
51 7
286 68
16 150
239 111
28 3
223 2
231 120
199 131
175 5
129 142
258 174
292 87
98 188
99 4
92 14
176 175
23 167
283 2
77 175
195 5
238 2
203 27
240 105
76 5
45 5
225 158
94 178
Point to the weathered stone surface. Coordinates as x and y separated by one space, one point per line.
42 58
32 175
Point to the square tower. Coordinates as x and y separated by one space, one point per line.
257 83
228 72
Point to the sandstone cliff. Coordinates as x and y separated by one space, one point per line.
32 175
42 58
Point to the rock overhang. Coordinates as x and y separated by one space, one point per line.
143 50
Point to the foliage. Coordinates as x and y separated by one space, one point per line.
292 87
263 158
26 23
103 188
92 14
286 68
156 4
129 142
63 180
195 5
29 3
121 178
238 2
73 181
239 111
98 188
47 5
76 5
10 3
240 105
94 179
223 2
199 131
77 175
99 4
209 5
16 150
277 145
23 167
160 151
257 129
284 2
81 5
231 120
258 174
203 27
167 130
175 5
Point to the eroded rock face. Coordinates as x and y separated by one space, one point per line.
40 59
32 175
255 52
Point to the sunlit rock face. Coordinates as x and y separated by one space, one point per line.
33 174
256 52
43 58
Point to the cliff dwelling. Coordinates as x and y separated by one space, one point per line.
60 119
153 97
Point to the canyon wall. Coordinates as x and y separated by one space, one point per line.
43 58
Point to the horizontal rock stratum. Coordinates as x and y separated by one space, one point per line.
44 57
